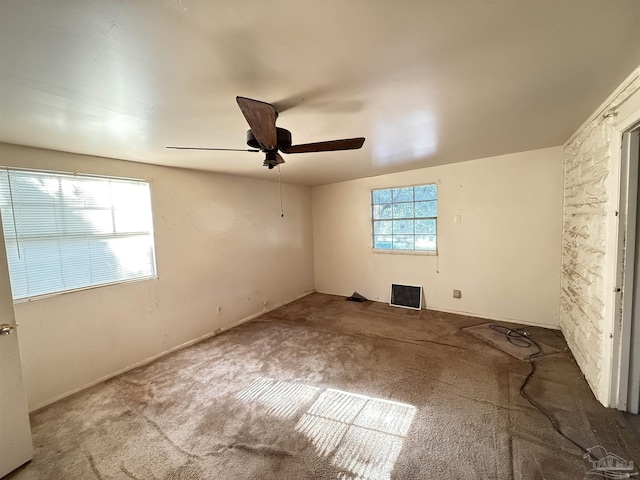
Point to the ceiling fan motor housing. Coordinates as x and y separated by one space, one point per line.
283 139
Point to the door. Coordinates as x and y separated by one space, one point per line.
633 394
628 396
15 432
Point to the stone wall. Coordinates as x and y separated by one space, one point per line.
590 200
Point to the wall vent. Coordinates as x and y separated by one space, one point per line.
406 296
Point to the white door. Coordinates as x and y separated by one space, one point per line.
15 432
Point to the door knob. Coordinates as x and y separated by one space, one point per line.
5 329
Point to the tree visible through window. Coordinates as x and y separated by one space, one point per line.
405 218
64 232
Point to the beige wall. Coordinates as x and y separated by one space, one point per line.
219 241
504 255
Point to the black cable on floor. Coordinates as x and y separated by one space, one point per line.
520 338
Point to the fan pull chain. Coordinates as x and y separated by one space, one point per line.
280 189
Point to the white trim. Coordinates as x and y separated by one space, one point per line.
419 307
620 230
495 318
166 352
412 251
372 189
613 327
625 280
606 104
428 253
35 298
602 390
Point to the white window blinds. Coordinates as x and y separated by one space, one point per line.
65 232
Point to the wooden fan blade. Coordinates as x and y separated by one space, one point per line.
216 149
261 117
332 145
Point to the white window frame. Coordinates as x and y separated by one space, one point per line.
122 234
391 250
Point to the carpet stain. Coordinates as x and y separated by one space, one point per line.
124 470
94 469
262 450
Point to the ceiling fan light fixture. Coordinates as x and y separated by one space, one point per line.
272 159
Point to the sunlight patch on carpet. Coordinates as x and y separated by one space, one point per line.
281 399
360 435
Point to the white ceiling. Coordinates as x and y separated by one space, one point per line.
426 82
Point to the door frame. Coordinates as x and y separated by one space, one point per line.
628 219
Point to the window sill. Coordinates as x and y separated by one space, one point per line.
81 289
428 253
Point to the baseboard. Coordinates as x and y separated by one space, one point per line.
166 352
267 310
470 314
497 319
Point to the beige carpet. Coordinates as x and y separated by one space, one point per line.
520 347
328 389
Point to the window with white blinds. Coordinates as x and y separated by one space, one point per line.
65 232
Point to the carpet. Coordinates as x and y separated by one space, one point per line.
548 340
327 389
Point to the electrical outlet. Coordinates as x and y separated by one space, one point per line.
457 294
265 302
219 310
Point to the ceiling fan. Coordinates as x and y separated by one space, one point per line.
265 137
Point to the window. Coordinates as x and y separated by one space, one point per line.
65 232
405 218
